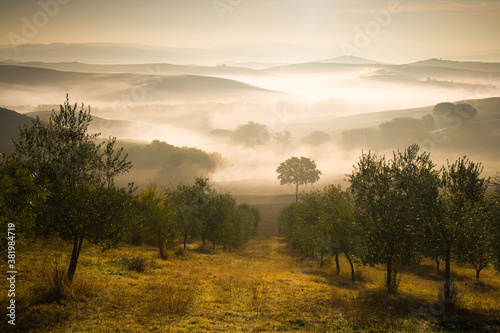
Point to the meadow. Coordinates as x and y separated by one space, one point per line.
262 287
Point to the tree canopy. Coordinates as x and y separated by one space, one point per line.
298 171
77 172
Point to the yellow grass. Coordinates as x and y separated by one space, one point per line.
261 288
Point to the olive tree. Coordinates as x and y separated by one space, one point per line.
77 172
157 216
393 199
462 189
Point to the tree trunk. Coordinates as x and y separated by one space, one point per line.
296 192
477 273
321 260
77 247
388 281
436 259
352 266
185 241
161 247
337 264
448 297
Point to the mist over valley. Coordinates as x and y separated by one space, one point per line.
329 110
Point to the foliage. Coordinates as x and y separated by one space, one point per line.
393 198
19 194
316 138
399 132
360 137
477 243
170 163
83 203
190 202
450 110
322 222
157 216
251 134
137 264
298 171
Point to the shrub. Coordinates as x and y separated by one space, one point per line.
172 299
51 286
137 263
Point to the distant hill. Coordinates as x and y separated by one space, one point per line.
150 69
418 72
489 67
113 87
350 60
119 53
10 121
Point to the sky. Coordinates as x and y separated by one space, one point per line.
370 28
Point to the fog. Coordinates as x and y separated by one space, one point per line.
186 111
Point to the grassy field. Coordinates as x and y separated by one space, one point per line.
260 288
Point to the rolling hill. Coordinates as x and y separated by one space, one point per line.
125 87
490 67
151 69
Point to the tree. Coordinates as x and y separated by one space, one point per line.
219 215
316 138
495 182
393 199
448 110
298 171
251 134
82 203
190 202
157 216
476 244
284 139
462 187
337 213
19 194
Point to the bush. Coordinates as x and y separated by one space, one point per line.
137 264
52 285
171 299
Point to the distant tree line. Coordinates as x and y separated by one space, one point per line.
398 211
451 125
255 134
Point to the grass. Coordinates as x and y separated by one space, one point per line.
261 288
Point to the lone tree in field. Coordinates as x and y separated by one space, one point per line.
77 173
298 171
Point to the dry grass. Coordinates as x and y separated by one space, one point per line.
262 288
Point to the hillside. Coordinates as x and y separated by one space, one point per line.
490 67
115 87
10 121
151 69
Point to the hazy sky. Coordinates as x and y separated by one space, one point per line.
463 27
